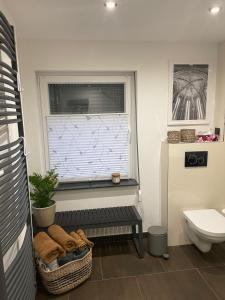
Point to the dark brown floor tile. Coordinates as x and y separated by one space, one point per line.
121 260
129 265
181 285
43 295
178 260
145 240
115 289
199 259
96 269
117 248
188 257
216 279
219 250
96 251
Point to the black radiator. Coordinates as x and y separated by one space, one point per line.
17 282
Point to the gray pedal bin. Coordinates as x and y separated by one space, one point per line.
157 241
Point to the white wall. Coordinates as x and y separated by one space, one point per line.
220 90
6 12
151 62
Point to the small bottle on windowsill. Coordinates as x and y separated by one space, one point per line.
116 178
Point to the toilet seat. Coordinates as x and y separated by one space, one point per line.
207 221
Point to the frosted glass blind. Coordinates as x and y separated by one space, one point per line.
88 147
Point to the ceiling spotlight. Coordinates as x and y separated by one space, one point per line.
110 4
215 10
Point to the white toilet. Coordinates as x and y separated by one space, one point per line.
205 227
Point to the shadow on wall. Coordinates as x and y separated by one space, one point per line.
164 183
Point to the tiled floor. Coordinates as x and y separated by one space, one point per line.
118 274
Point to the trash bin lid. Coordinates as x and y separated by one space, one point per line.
157 230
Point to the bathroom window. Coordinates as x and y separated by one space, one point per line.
78 98
88 121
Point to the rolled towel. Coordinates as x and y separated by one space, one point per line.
46 248
64 239
81 233
81 244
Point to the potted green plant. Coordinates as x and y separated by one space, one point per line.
42 192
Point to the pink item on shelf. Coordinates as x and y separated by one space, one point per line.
208 138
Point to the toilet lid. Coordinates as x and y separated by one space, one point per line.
207 221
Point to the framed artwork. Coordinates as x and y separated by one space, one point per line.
189 94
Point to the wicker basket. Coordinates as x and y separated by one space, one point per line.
188 135
173 137
68 276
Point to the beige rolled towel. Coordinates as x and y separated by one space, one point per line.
81 233
46 248
61 237
79 241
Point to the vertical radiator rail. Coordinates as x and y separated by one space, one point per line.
17 277
2 279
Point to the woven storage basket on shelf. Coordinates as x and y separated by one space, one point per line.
187 135
173 137
68 276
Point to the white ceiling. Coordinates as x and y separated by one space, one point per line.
132 20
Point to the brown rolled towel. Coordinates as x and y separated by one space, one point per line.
81 233
61 237
81 244
46 248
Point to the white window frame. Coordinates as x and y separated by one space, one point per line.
128 80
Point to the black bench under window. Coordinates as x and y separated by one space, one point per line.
104 217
